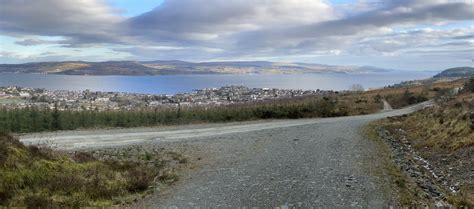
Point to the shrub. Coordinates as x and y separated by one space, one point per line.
469 86
39 201
83 157
139 179
7 144
406 98
37 177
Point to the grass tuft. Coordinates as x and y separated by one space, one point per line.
39 177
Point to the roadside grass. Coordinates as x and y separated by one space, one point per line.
394 181
39 177
409 194
431 88
464 198
443 135
404 96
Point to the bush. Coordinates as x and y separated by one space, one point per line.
83 157
469 86
7 144
139 179
37 177
406 98
39 201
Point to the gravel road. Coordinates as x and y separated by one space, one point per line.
282 163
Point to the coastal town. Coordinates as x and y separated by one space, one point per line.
22 97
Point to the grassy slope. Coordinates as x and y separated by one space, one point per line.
391 177
38 177
404 96
443 134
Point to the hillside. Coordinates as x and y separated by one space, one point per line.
435 146
170 67
42 177
456 72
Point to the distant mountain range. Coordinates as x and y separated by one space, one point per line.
456 72
173 67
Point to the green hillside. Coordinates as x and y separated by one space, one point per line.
456 72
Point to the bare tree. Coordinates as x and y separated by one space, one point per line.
357 87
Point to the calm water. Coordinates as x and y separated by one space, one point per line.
171 84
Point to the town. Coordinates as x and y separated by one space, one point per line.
22 97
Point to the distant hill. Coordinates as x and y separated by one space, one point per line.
168 67
456 72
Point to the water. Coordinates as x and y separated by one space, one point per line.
171 84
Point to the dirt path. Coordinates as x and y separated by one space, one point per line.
386 106
283 163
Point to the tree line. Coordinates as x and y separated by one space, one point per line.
33 119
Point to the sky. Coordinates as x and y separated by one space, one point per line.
395 34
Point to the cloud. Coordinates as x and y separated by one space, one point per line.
34 42
220 17
234 29
210 23
393 14
404 41
7 54
76 19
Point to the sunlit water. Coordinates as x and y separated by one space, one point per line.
171 84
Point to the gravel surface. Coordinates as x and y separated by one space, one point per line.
293 163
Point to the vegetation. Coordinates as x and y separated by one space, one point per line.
38 177
337 104
469 86
444 135
395 181
399 97
444 127
36 120
456 72
406 99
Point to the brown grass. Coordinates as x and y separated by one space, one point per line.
431 88
403 96
394 180
39 177
444 135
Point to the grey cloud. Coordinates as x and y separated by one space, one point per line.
33 42
57 18
348 35
460 43
7 54
443 54
216 29
154 53
196 21
373 20
47 53
464 37
405 41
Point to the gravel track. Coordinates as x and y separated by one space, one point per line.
282 163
